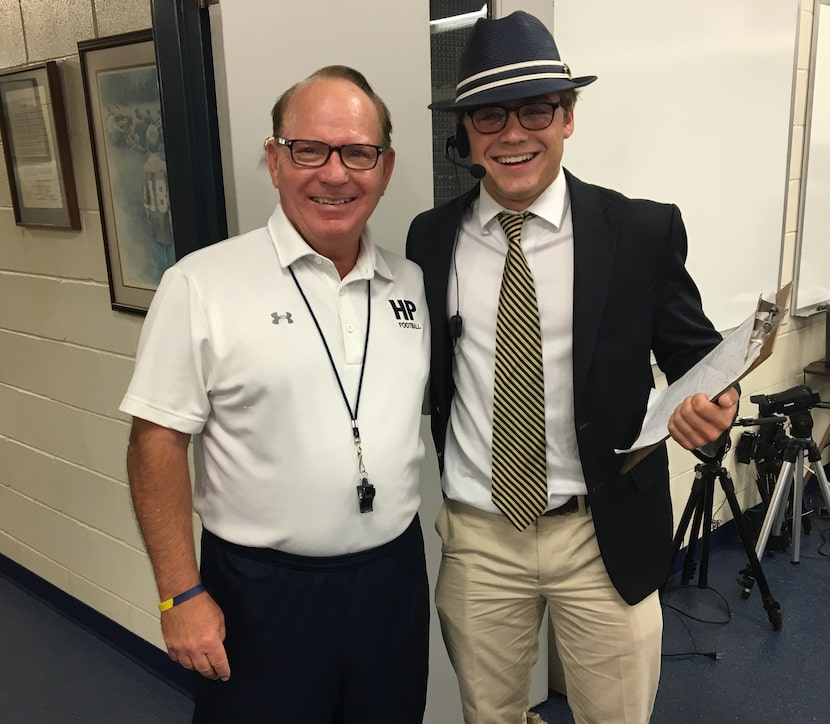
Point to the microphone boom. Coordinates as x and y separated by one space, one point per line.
476 170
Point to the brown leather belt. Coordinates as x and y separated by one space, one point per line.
576 503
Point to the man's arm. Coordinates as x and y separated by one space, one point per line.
160 488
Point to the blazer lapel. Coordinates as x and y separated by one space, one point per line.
595 230
437 265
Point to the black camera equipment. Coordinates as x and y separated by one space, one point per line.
699 505
795 404
766 449
796 400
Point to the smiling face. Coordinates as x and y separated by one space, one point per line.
330 205
521 164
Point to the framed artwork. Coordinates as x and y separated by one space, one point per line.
36 148
125 124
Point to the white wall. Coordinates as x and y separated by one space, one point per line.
65 357
691 107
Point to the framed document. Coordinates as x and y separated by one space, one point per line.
128 147
36 148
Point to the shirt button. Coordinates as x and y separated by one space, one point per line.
318 260
350 328
342 292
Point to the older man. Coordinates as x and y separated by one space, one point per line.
298 353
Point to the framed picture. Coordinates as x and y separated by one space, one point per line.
125 124
36 147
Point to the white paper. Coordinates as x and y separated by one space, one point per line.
38 178
717 371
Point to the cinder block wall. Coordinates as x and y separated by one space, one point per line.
66 357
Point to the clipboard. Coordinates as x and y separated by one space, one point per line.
635 456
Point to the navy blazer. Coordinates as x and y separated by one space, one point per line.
632 296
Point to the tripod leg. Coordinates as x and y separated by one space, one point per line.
683 525
763 484
771 606
778 496
798 494
706 531
815 458
689 563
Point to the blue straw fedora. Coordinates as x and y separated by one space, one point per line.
508 59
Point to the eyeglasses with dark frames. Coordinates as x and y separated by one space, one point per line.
534 116
313 154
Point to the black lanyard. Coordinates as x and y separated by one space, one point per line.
365 491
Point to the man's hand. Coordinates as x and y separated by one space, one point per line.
697 421
194 632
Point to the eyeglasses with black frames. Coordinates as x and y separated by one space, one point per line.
532 116
313 154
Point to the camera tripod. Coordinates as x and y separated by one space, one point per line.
699 505
798 446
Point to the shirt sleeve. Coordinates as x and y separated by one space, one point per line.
170 384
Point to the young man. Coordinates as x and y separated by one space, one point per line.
284 349
542 330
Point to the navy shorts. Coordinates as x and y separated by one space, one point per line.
319 640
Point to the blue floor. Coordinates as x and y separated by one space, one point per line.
762 676
52 671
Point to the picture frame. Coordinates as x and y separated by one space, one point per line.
36 148
123 103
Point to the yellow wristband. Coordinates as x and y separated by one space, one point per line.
181 598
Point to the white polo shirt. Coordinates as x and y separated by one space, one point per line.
229 350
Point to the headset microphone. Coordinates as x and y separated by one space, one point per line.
476 170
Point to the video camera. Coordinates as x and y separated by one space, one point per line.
765 446
789 402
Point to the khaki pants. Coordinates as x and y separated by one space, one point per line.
491 592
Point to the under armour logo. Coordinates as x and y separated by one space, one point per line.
276 317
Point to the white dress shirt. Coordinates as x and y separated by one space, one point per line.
474 284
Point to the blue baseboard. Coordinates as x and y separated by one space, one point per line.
127 643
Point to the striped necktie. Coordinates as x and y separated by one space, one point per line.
519 485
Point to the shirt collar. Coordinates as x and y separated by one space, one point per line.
291 247
550 205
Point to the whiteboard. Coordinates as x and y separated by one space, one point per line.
812 278
692 106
